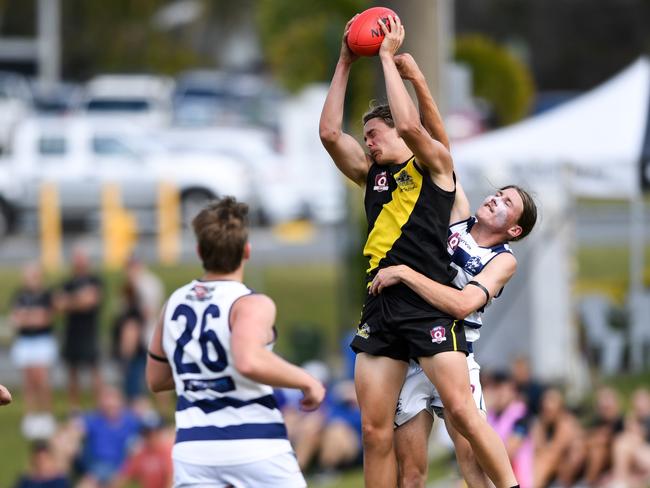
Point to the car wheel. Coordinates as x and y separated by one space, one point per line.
192 201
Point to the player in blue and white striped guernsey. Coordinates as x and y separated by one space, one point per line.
213 345
479 252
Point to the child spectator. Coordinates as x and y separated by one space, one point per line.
150 465
43 471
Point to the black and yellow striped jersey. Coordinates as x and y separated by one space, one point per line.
408 219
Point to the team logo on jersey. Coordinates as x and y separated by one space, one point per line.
200 293
381 182
399 408
453 241
438 334
405 181
363 331
473 264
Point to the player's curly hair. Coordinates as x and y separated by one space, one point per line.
221 230
528 216
379 111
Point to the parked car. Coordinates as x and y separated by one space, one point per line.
277 198
144 100
208 97
80 156
15 104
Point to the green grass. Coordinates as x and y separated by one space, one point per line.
606 269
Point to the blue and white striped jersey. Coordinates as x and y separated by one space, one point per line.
469 259
222 418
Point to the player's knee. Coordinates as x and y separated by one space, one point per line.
465 417
377 436
412 475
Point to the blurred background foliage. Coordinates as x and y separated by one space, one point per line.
498 77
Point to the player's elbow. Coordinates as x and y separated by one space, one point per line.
408 129
328 135
461 309
245 364
155 385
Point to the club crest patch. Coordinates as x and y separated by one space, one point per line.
200 292
363 331
405 181
438 334
473 264
381 182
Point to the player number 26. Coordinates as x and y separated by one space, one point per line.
206 337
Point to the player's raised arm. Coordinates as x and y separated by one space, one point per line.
252 319
431 154
347 153
433 123
457 303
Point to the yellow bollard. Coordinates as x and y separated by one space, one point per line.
169 223
49 214
119 228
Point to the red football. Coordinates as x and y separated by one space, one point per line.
365 35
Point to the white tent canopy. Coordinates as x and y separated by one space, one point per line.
598 137
589 146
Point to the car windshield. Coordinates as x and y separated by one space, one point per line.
118 105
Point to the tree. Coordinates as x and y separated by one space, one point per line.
498 77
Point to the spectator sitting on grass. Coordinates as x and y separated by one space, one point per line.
43 470
631 451
606 424
108 433
150 465
558 441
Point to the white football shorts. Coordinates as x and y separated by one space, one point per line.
281 471
418 393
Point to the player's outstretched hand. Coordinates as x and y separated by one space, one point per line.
313 395
385 277
393 35
346 53
5 396
407 67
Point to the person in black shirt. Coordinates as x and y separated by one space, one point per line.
34 350
80 300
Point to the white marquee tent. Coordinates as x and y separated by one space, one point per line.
590 146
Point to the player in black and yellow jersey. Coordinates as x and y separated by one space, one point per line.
409 192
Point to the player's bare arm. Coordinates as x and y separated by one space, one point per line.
429 113
457 303
347 153
159 372
5 396
252 318
431 154
433 123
